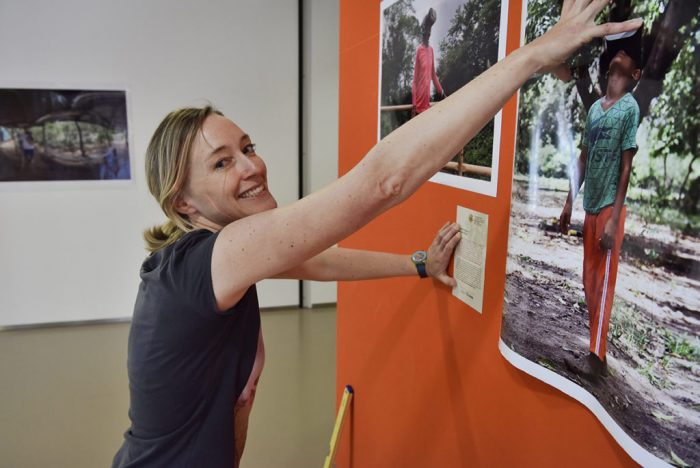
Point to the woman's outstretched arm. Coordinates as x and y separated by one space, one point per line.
339 264
267 244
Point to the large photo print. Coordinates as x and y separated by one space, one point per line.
429 49
603 276
63 135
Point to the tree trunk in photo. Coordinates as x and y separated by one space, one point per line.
620 10
685 201
682 190
692 198
80 138
43 139
585 87
665 48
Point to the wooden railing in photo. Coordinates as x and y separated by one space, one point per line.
459 167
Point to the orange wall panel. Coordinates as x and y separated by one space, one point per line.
431 388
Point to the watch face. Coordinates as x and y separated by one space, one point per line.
419 257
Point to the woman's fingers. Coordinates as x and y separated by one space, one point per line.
566 7
579 6
590 14
447 280
595 7
616 28
441 233
454 240
448 234
449 239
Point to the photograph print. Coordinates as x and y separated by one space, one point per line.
63 135
603 275
430 49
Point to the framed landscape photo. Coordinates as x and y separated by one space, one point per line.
68 135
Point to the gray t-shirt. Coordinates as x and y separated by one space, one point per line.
187 363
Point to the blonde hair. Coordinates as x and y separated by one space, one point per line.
167 163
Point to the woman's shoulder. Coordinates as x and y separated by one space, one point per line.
192 244
193 238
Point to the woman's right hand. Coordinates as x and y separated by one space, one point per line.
440 253
575 28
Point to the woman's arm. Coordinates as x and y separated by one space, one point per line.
338 264
265 244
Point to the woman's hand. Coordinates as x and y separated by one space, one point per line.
575 28
440 252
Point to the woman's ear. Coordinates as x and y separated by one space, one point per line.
183 206
636 74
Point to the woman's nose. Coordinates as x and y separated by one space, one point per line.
246 165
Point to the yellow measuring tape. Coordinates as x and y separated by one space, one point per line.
339 420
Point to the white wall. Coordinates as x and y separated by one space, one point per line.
70 253
321 24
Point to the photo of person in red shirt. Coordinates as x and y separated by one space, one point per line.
424 68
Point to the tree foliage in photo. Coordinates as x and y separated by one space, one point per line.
471 44
400 38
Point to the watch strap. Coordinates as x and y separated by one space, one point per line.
421 270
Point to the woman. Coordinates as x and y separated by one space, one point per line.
194 349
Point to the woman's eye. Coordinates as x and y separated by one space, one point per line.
220 163
249 149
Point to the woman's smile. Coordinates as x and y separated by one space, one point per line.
253 192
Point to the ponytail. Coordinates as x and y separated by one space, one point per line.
161 236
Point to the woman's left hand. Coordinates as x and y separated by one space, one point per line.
440 252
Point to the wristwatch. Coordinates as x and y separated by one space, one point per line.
419 258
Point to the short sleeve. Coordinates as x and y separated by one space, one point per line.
191 270
629 129
179 276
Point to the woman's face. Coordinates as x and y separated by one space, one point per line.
227 179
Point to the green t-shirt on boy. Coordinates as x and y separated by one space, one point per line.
607 134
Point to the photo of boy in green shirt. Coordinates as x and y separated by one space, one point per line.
603 167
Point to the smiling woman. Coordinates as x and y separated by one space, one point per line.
195 347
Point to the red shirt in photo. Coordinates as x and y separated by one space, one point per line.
423 74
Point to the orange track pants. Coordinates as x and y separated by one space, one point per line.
599 275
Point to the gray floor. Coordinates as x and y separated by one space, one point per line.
64 394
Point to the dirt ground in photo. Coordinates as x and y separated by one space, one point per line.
652 389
